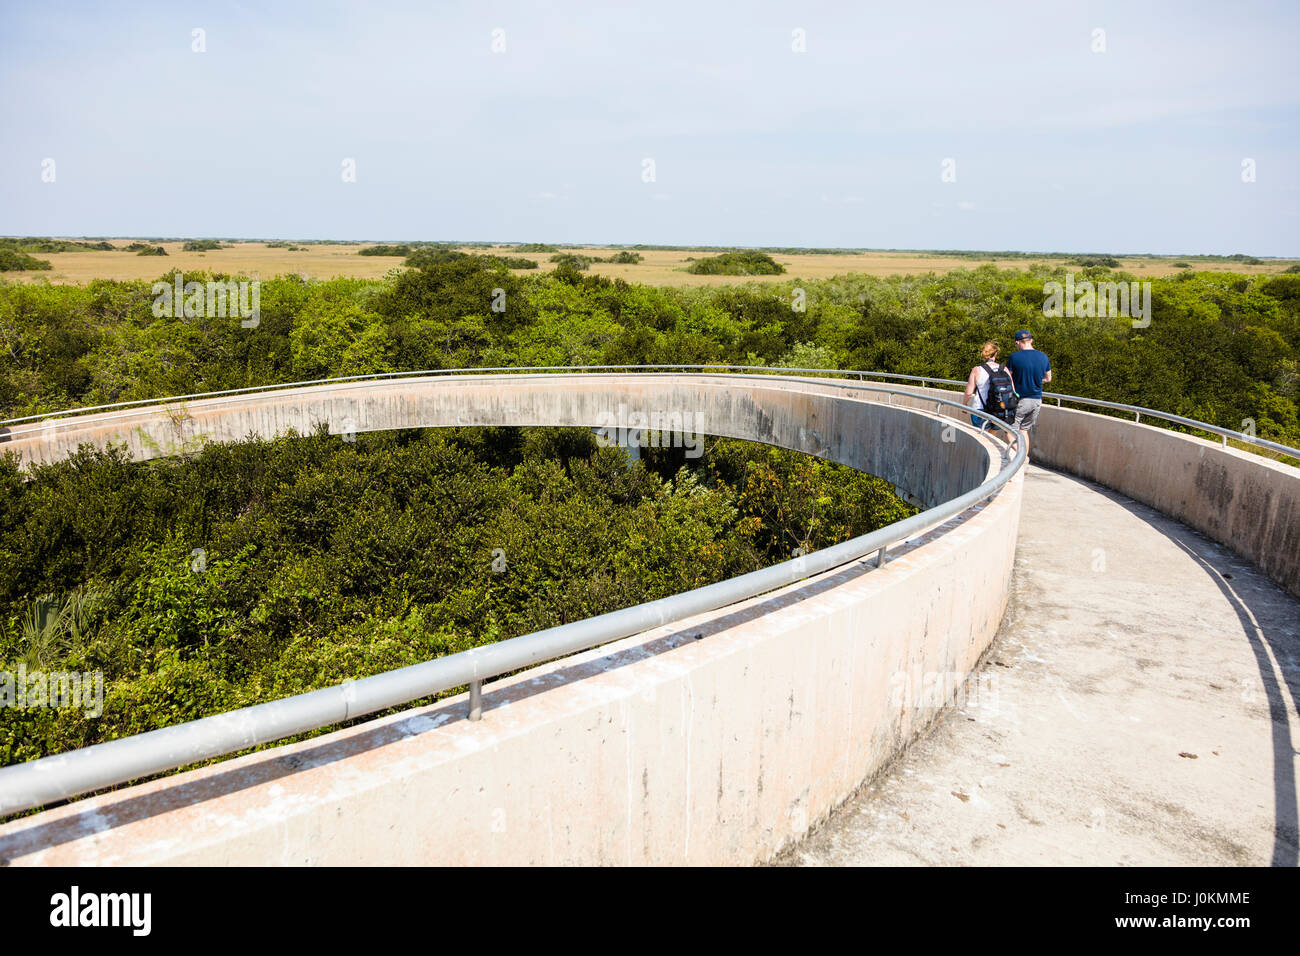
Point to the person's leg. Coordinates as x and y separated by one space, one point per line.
1027 417
1024 437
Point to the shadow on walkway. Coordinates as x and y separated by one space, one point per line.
1270 621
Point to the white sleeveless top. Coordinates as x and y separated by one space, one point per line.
981 385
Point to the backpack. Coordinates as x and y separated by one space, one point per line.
1001 399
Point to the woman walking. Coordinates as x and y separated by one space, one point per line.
977 383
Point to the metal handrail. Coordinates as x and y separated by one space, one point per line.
63 776
1137 410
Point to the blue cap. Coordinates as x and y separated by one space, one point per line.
1024 334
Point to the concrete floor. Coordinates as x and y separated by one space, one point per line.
1137 707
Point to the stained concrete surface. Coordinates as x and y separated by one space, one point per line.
1137 707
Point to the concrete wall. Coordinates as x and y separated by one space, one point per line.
805 416
716 740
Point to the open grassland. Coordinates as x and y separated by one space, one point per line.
661 267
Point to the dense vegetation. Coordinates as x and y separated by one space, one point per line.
251 571
34 244
737 264
146 249
11 260
513 262
201 245
409 248
582 262
572 261
1221 347
423 258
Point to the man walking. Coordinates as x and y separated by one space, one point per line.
1029 368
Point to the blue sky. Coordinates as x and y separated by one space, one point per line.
1057 148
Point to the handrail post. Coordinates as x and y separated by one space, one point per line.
880 556
1137 418
476 700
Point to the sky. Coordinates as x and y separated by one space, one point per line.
1122 127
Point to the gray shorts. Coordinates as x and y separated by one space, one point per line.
1027 413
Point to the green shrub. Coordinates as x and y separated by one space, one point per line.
737 264
13 261
34 244
512 262
423 258
146 249
572 261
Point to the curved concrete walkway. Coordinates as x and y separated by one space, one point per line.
1137 707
